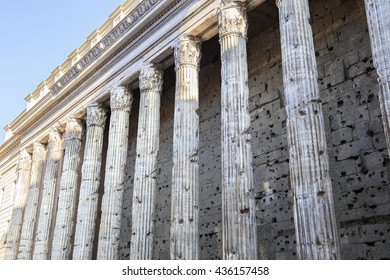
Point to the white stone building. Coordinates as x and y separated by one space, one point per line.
208 129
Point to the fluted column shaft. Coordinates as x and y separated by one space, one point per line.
145 178
185 172
238 205
108 247
42 238
30 215
315 223
90 182
20 200
63 230
378 18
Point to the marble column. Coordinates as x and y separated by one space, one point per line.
30 215
110 225
145 177
66 211
20 200
378 18
90 183
315 223
238 205
43 234
185 172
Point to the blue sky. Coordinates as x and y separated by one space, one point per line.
36 37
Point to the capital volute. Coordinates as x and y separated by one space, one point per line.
232 19
187 51
96 114
39 152
120 98
151 78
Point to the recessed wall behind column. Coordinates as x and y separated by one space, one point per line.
356 145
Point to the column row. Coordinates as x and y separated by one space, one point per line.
73 233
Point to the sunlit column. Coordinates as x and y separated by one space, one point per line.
378 17
65 220
90 182
315 222
145 178
185 173
42 238
108 246
30 215
20 200
238 205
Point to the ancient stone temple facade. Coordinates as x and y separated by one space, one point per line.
208 129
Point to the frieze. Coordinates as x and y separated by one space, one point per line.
108 40
151 78
8 148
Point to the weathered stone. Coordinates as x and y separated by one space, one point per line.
21 193
145 175
185 172
110 224
314 216
238 205
42 237
87 210
30 215
69 186
378 19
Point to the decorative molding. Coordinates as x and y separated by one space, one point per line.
104 44
96 114
120 98
39 152
232 19
6 149
151 78
187 51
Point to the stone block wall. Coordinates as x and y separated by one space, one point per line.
359 163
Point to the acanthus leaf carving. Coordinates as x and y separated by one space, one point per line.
151 78
24 162
96 114
187 51
120 98
55 141
74 129
39 152
232 19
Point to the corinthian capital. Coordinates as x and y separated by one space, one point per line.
39 152
74 129
96 114
24 162
55 143
120 98
187 51
232 18
151 78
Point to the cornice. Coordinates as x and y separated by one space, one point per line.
8 147
114 63
141 10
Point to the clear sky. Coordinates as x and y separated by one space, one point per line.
36 37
